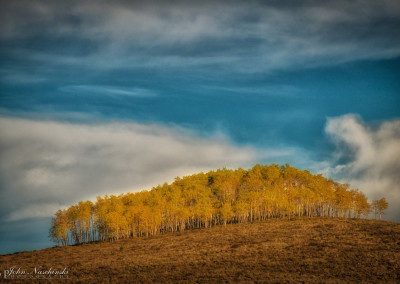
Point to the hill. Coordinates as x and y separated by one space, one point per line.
276 250
208 199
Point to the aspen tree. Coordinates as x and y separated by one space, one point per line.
207 199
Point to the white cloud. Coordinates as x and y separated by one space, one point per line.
45 165
368 157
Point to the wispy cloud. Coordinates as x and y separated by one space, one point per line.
245 37
19 77
267 90
107 90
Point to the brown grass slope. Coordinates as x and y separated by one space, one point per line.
278 250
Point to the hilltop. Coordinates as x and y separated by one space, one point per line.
208 199
276 250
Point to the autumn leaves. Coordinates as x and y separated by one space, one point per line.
208 199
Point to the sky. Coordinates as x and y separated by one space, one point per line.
108 97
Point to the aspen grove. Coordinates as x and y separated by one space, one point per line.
208 199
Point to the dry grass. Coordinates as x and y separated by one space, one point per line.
309 250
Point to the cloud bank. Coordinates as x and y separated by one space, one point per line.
367 157
47 165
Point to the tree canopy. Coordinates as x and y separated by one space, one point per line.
378 206
208 199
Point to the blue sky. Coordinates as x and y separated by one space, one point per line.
108 97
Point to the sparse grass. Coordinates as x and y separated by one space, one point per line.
303 249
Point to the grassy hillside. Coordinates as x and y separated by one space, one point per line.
277 250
